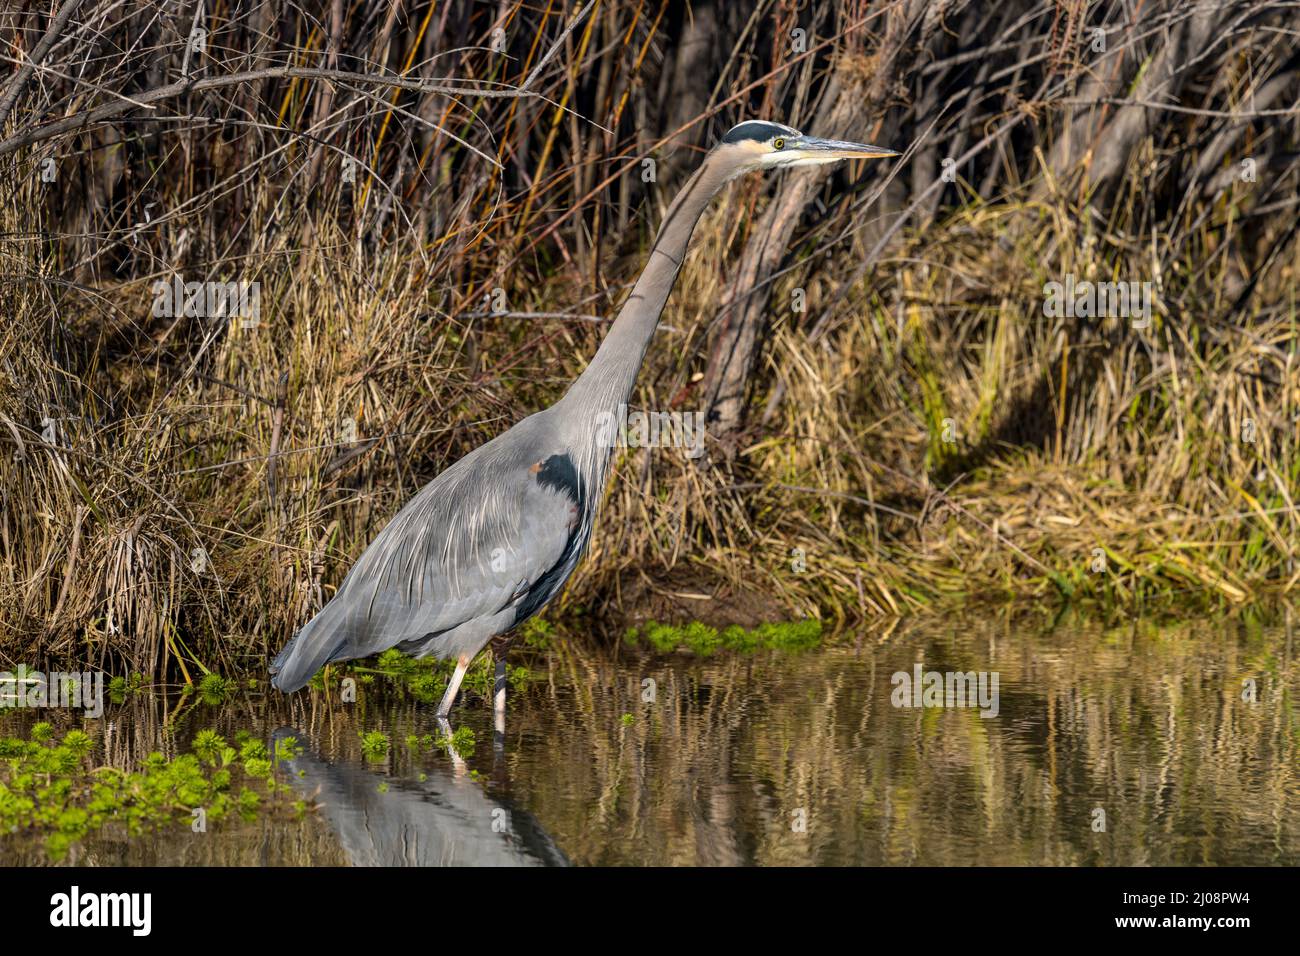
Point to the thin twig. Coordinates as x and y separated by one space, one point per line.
60 21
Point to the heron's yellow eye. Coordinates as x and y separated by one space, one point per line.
778 143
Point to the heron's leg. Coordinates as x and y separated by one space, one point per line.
449 698
499 697
500 646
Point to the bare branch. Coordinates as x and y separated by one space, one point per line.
60 21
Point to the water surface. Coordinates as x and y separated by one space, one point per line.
1129 745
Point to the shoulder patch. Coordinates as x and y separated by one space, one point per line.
559 472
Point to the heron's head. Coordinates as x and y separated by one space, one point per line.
756 144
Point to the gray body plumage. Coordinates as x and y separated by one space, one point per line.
442 579
493 538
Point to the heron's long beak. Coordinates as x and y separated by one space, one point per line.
839 149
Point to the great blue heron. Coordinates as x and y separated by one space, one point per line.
491 540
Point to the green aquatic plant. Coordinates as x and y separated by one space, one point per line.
427 688
662 637
286 748
736 638
700 638
209 746
374 744
119 687
628 720
61 789
424 678
704 640
419 744
790 635
537 633
518 677
393 662
259 768
462 741
78 743
481 677
215 689
248 803
252 749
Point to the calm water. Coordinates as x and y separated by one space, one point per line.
786 759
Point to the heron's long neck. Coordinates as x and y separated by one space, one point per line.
609 379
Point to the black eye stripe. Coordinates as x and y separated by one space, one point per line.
756 130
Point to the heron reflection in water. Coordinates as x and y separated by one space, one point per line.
445 819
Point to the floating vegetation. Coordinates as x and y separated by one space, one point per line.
374 744
250 747
420 743
59 787
427 687
211 748
462 741
425 679
215 689
703 640
120 688
396 664
286 748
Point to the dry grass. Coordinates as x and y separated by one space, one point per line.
178 494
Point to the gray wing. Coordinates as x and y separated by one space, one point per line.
470 543
469 551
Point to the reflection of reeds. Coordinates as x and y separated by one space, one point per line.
1145 723
179 494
